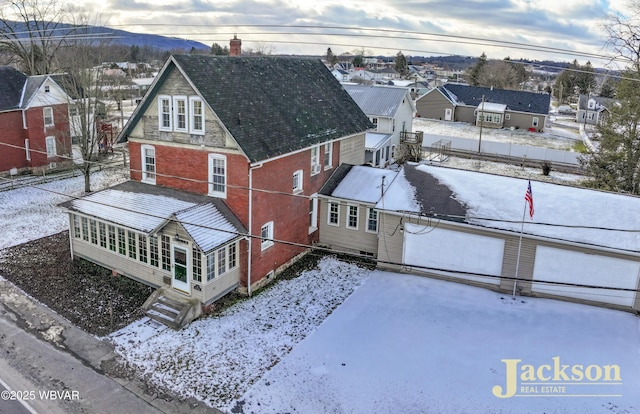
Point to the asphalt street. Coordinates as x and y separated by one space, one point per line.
56 368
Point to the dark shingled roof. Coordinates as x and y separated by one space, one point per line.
521 101
12 82
336 178
272 105
434 197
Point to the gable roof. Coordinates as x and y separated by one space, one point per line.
12 83
377 100
520 101
147 208
601 102
270 105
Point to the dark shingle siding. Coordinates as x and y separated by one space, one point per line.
520 101
435 198
12 83
274 105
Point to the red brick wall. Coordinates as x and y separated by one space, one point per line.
187 169
37 134
12 134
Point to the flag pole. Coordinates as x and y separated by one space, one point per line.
515 280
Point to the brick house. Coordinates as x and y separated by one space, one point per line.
34 120
257 137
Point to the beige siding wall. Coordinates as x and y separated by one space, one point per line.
433 106
214 136
390 249
207 291
346 239
352 150
523 121
465 114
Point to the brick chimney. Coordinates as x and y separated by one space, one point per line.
235 46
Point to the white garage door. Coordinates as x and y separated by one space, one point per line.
453 250
586 269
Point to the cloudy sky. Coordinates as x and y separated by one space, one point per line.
499 28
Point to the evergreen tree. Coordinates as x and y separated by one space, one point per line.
401 64
474 72
358 61
218 50
331 58
615 164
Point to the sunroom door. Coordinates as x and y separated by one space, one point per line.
180 261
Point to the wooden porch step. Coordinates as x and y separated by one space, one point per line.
171 310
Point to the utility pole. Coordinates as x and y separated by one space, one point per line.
481 122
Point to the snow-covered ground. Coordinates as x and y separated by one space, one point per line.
30 213
391 343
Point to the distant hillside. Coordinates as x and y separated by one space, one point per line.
124 38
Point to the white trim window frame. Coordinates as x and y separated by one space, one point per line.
50 143
180 116
313 213
149 165
352 216
315 160
47 116
217 176
165 118
196 113
372 220
266 235
333 214
297 181
328 155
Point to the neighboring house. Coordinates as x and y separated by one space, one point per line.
593 110
489 107
228 160
341 75
391 110
414 224
34 122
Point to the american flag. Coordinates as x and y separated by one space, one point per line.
529 199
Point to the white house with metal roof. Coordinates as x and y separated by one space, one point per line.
391 110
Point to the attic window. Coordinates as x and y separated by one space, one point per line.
47 88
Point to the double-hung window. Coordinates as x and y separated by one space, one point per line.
196 110
164 113
50 142
47 114
315 160
266 233
217 175
328 153
297 181
333 214
372 220
180 113
148 164
352 217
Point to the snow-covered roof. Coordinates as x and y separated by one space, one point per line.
492 107
560 212
148 208
378 100
365 184
373 141
143 212
200 222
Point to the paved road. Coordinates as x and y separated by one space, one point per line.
60 366
10 406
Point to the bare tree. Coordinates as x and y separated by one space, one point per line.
32 32
84 82
624 35
498 74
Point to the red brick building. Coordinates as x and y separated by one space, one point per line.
34 120
259 136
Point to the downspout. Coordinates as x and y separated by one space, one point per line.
249 250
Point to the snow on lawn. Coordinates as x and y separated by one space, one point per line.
406 344
554 136
215 359
575 214
30 213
